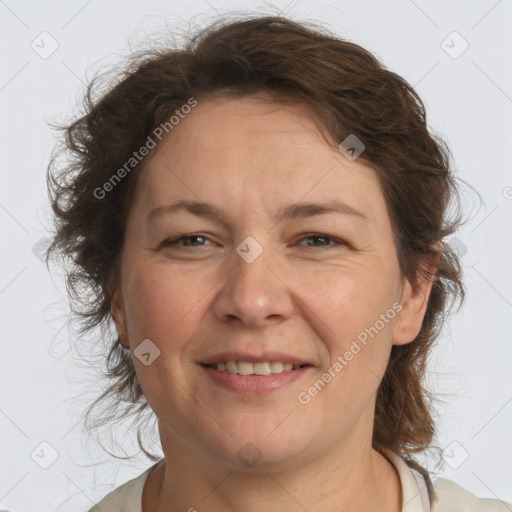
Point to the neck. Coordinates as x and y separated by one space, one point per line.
344 479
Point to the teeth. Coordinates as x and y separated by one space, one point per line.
231 367
276 367
262 368
245 368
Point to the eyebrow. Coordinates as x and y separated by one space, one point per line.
293 211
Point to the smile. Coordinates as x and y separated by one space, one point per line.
242 377
259 368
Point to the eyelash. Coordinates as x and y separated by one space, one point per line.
175 241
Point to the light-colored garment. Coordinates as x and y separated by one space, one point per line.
449 497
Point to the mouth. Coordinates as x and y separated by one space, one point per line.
256 377
260 368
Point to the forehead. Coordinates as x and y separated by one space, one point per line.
237 126
245 149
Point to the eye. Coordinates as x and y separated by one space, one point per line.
192 238
197 240
325 238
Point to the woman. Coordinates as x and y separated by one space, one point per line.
262 216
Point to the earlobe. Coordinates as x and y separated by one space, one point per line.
414 306
117 313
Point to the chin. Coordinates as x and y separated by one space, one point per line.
264 447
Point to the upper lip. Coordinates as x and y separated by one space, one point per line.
223 357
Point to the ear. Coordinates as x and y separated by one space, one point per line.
118 315
414 302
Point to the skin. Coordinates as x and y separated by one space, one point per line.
301 296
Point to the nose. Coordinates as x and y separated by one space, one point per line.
254 294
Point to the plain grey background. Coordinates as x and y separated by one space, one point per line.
456 54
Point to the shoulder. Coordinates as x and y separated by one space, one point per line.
125 498
451 497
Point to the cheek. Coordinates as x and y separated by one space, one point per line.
156 300
356 308
349 300
167 304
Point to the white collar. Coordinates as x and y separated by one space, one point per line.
414 488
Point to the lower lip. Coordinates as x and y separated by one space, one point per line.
255 384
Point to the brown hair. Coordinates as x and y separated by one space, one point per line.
352 92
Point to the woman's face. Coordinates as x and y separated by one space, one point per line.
316 286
